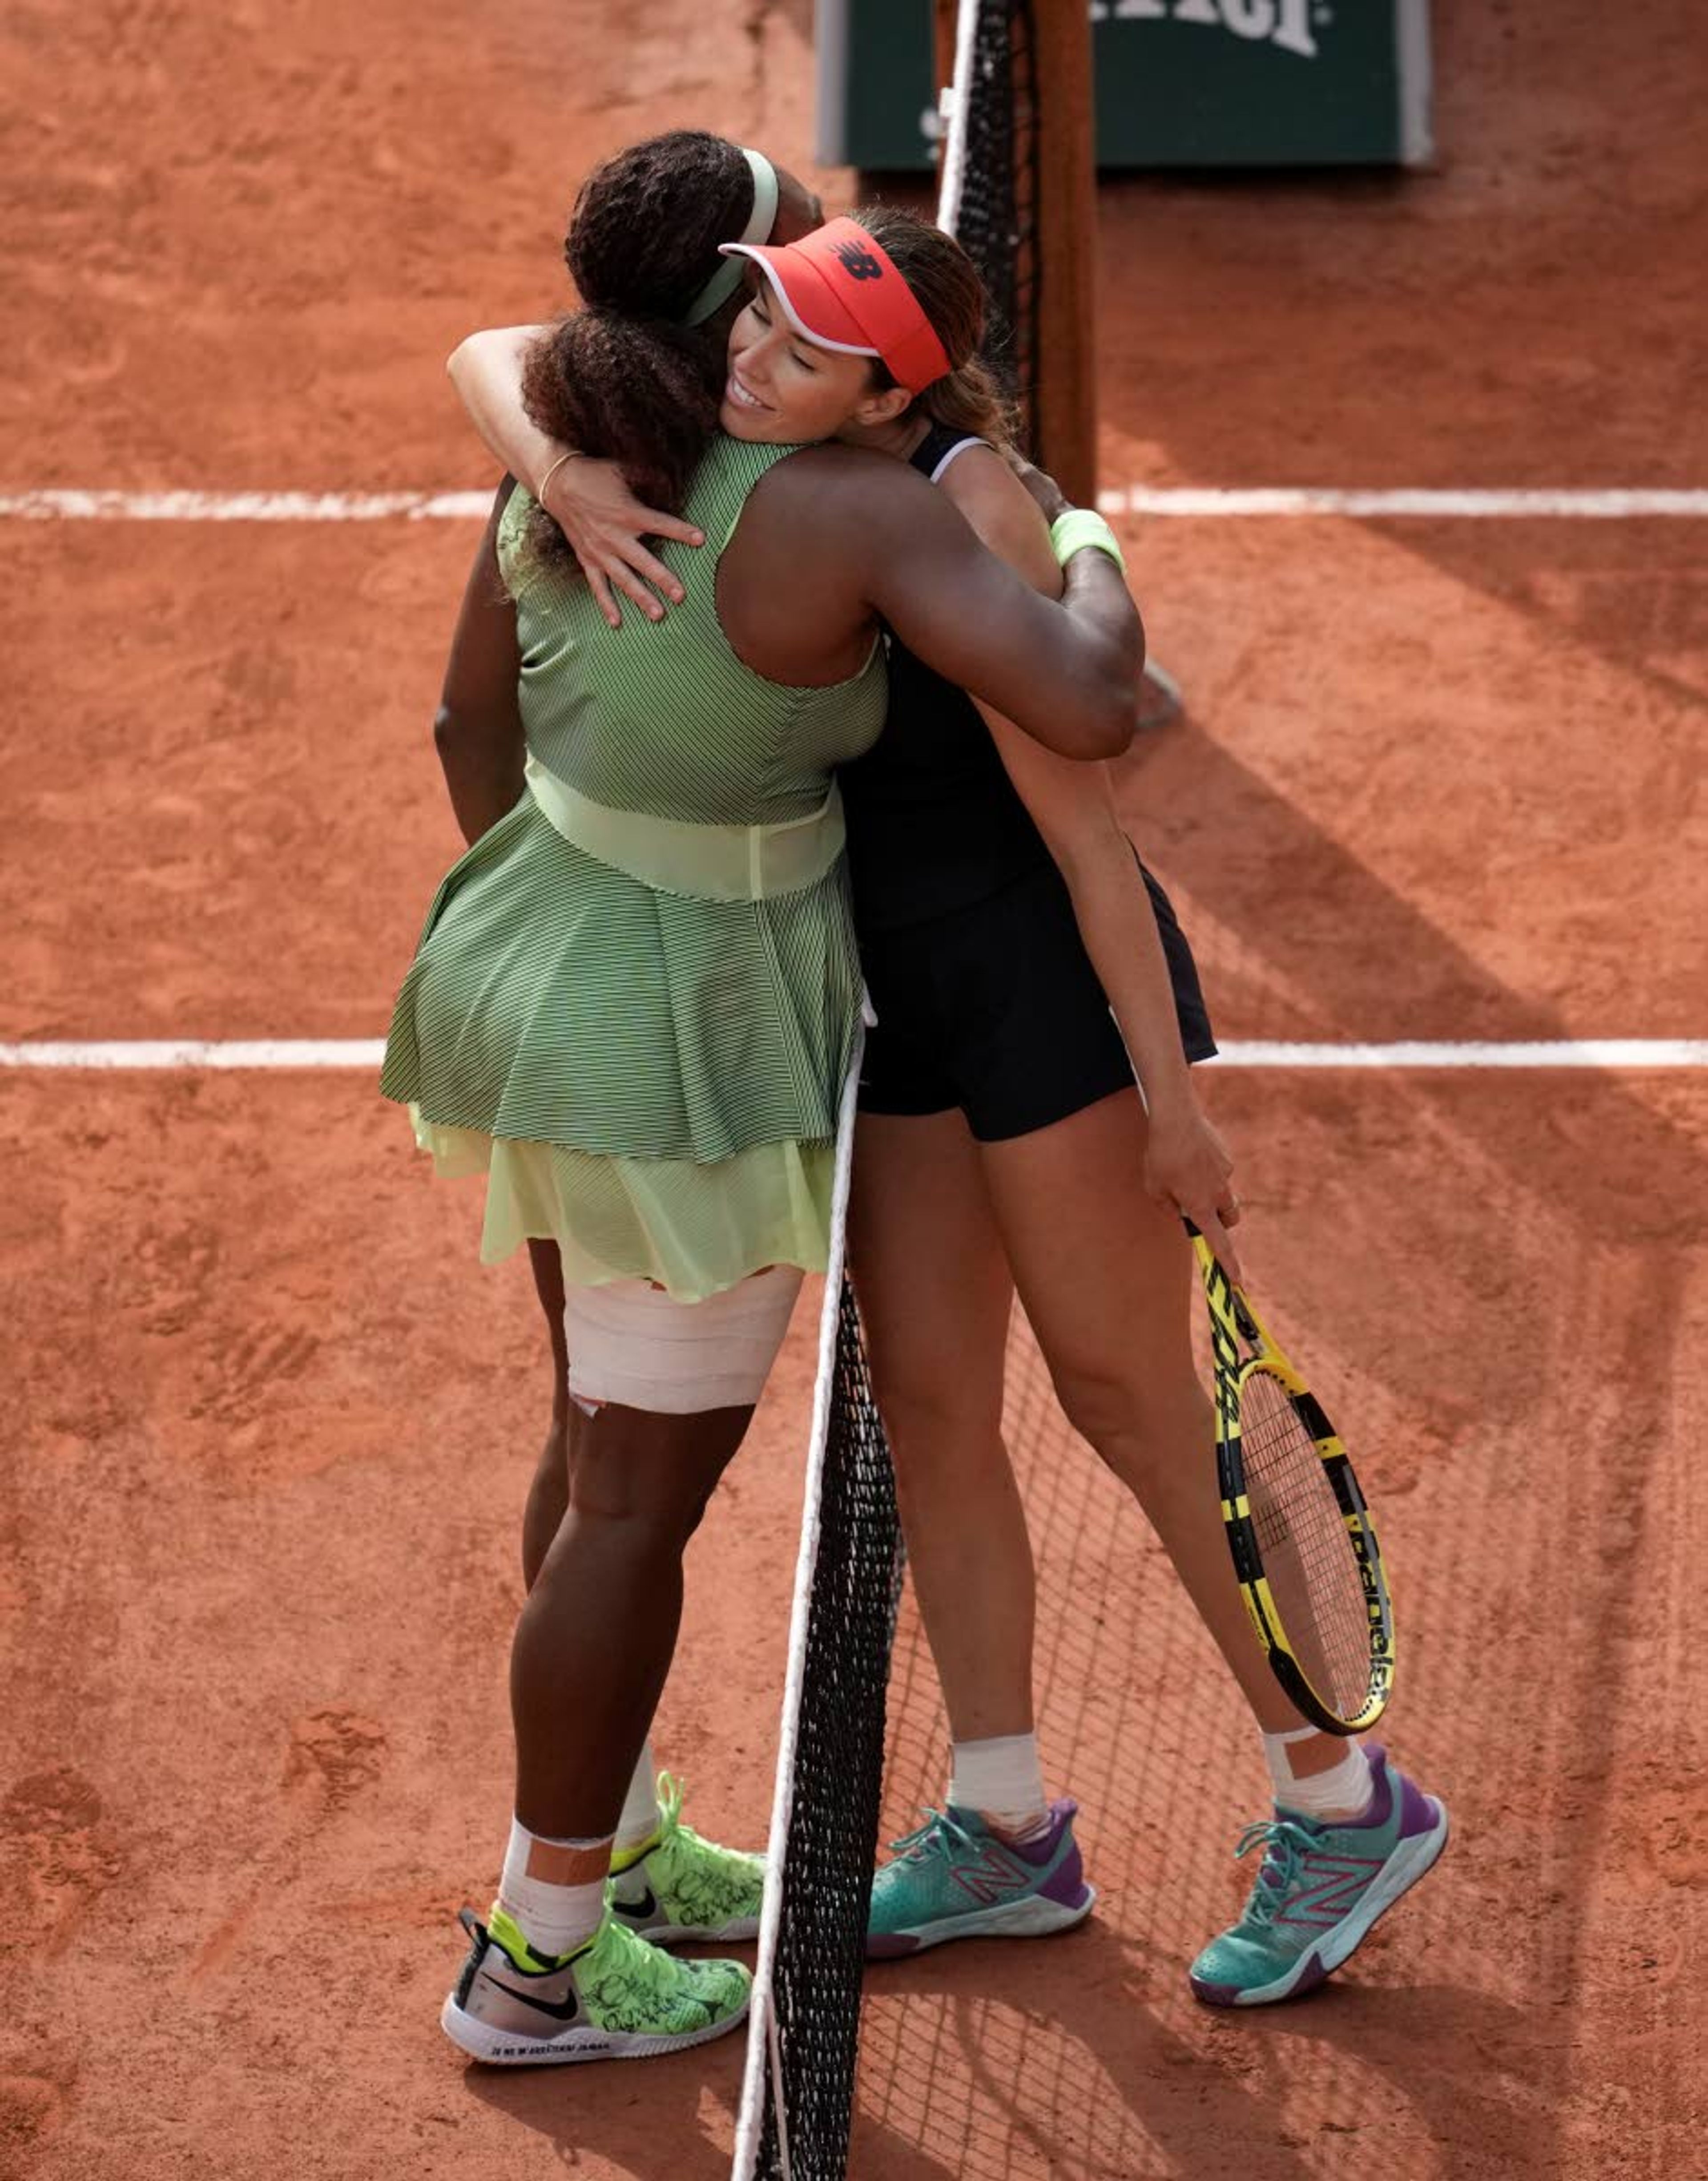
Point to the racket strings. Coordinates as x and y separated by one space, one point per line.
1307 1552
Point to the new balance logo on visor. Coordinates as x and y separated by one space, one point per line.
858 263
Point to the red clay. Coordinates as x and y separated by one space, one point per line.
272 1423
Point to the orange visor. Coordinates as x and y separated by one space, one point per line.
841 290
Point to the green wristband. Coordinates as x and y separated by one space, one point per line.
1083 529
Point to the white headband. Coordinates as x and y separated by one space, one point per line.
727 278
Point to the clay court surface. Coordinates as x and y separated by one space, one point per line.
268 1424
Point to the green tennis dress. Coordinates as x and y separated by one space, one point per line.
636 997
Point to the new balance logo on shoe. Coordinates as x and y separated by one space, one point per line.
1337 1888
992 1876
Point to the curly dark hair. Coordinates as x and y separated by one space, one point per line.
644 235
624 377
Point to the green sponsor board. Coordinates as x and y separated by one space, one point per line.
876 107
1180 83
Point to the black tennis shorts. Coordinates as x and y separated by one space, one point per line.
996 1009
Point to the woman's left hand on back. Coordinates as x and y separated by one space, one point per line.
604 523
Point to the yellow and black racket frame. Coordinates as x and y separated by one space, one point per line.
1231 1321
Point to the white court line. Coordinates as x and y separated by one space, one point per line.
245 506
361 1052
1602 506
1580 1053
201 1053
1235 502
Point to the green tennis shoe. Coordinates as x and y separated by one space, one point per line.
683 1889
615 1998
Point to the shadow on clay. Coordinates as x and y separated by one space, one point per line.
612 2115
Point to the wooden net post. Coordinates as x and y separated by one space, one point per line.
943 73
1054 138
1064 397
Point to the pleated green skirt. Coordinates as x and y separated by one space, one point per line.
650 1079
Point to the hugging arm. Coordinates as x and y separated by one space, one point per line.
1064 673
1073 806
487 372
477 728
589 500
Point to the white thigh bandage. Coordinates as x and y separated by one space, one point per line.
631 1344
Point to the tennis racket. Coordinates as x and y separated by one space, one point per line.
1303 1546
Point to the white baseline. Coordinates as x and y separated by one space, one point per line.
367 1053
1195 502
1620 504
57 506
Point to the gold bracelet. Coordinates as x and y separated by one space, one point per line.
546 481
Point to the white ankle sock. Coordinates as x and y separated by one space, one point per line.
552 1919
1000 1777
1342 1791
640 1818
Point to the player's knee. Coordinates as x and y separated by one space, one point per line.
944 1466
934 1433
1119 1414
641 1503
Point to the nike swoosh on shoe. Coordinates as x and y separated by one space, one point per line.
560 2011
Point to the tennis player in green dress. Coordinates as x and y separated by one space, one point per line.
634 1009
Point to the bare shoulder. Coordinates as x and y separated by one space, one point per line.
819 547
1003 512
844 482
852 515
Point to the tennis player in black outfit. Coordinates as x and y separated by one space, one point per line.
1028 975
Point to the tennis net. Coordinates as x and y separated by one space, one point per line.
803 2029
804 2025
1018 194
990 191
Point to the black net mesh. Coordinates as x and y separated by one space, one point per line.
839 1769
995 221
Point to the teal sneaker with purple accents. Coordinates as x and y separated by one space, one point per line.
955 1878
1319 1890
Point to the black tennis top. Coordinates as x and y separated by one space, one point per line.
934 824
